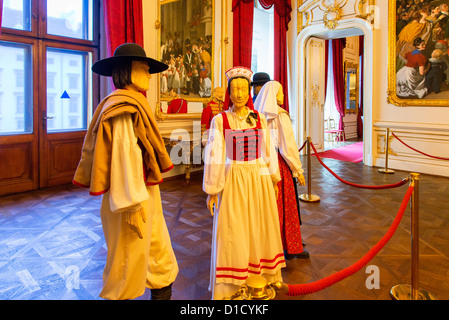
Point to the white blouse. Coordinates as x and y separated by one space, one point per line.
216 161
127 185
283 138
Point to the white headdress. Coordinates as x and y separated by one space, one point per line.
266 101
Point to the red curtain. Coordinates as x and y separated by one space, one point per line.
339 79
242 32
1 14
124 23
360 111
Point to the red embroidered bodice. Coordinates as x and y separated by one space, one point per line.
244 144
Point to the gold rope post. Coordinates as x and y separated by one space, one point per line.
309 197
387 152
405 291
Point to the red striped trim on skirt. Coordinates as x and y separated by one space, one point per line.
242 273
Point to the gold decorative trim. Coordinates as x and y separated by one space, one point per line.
381 137
360 8
332 23
316 96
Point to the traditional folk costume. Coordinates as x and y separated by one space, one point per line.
177 106
213 108
123 159
246 237
290 166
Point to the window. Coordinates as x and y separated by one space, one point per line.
17 14
263 40
16 83
47 48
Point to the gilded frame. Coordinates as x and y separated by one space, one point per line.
392 96
187 20
352 93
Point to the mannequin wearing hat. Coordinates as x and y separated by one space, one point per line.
240 174
123 159
268 102
259 79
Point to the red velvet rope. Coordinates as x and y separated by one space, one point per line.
387 186
303 145
417 150
307 288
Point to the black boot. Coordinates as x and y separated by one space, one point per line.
161 294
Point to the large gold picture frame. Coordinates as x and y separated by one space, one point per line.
407 87
186 45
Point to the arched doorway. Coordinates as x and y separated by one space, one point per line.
307 122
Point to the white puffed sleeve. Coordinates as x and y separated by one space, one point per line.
215 158
269 151
287 144
127 185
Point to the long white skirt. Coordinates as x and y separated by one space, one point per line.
246 235
410 83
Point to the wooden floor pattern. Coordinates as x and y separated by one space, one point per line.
52 244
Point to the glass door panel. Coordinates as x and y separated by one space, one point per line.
67 90
16 103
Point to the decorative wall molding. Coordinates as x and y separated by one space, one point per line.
432 139
330 12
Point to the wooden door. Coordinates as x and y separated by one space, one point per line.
18 121
315 91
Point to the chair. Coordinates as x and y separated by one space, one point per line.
331 132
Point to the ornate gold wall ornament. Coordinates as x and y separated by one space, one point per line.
316 96
381 144
157 25
362 12
331 17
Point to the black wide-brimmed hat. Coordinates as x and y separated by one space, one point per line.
260 78
127 52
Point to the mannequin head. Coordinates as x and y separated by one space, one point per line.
239 92
134 75
140 76
280 96
218 94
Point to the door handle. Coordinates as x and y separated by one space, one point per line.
47 118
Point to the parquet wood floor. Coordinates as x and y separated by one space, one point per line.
52 238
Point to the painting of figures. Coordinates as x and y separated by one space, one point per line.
419 67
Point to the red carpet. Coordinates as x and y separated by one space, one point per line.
350 153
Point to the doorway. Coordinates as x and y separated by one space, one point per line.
348 137
313 125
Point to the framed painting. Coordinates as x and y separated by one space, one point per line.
418 63
186 35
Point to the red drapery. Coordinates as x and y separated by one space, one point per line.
1 14
124 23
243 33
360 111
339 79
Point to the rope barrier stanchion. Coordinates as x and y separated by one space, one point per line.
405 291
425 154
309 197
387 152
